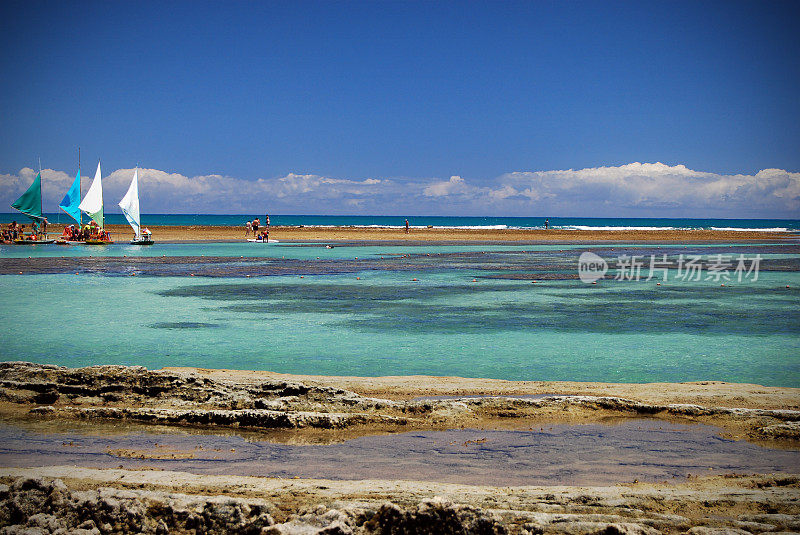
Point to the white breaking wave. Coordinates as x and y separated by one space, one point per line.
736 229
484 227
587 227
464 227
554 227
733 229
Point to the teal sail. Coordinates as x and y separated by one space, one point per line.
30 202
72 199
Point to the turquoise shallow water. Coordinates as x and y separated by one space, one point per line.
300 251
367 317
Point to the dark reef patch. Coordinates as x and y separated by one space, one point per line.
614 307
183 325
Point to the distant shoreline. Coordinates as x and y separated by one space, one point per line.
193 233
438 221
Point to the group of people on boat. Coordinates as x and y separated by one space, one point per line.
15 231
89 232
146 235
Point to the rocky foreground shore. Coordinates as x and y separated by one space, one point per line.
84 501
87 500
31 505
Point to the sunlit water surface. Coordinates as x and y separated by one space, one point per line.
356 310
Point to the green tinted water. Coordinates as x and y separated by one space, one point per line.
385 324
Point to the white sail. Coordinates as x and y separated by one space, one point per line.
92 203
130 204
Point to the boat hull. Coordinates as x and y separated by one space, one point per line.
142 242
97 242
32 242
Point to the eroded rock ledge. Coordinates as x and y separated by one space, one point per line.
36 505
94 501
165 397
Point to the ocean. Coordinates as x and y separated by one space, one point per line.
371 310
583 223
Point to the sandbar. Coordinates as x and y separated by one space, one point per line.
191 233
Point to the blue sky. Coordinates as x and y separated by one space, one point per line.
407 93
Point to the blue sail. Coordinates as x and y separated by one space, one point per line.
72 199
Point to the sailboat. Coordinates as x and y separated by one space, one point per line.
92 205
71 201
130 207
70 204
30 204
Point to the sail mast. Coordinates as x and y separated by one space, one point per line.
70 204
138 214
80 214
40 190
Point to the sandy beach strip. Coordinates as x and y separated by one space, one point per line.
191 233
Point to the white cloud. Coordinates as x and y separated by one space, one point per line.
503 193
455 186
635 189
648 187
316 186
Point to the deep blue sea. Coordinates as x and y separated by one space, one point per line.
443 221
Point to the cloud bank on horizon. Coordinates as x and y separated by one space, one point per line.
631 190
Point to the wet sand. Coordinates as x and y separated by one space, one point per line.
122 233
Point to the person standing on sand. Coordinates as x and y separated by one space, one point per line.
546 224
247 227
256 224
406 226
